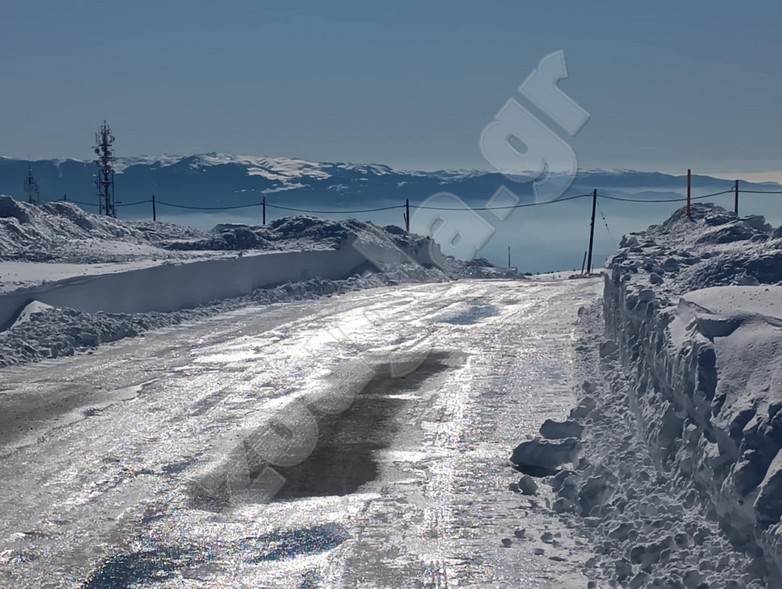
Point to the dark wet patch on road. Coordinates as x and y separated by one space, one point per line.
470 316
345 456
160 562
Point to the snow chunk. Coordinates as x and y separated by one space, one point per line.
32 308
554 430
527 485
768 505
545 453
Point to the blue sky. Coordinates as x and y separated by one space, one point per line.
669 85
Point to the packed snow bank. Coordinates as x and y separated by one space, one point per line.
186 284
693 307
144 288
62 232
173 287
649 528
58 240
46 332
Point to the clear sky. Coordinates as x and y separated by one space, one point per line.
411 84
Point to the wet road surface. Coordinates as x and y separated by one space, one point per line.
162 461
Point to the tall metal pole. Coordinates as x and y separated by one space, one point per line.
592 232
105 180
736 198
508 256
689 192
264 210
154 208
31 187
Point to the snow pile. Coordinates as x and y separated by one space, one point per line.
30 310
693 309
78 306
298 232
382 246
62 232
44 332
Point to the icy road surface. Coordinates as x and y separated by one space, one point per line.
103 456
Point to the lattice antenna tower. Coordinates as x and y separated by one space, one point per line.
31 187
104 141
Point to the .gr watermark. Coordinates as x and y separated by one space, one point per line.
524 149
516 143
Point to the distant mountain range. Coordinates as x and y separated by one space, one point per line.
213 179
541 237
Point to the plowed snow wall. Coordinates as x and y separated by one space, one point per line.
701 426
171 287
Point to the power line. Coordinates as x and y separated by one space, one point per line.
77 202
132 204
335 212
432 208
518 206
168 204
680 199
605 222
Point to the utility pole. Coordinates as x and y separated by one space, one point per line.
154 208
264 210
583 263
592 232
31 187
406 215
689 192
509 257
736 198
105 180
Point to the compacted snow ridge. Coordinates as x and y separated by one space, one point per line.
680 477
43 332
64 233
58 252
649 527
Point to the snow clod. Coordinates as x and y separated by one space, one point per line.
555 430
545 453
527 485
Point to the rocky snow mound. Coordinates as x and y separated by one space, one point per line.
694 310
60 232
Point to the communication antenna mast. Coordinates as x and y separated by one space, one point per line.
105 179
31 187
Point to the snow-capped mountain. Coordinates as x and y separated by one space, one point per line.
214 179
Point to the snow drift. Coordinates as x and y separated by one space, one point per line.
695 308
83 292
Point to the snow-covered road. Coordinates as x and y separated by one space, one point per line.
108 460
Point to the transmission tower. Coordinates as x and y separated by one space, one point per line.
105 180
31 187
